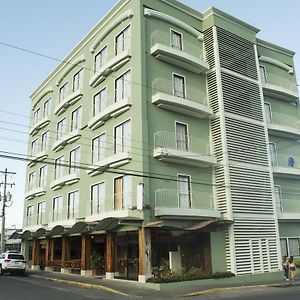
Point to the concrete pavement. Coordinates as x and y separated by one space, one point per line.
168 290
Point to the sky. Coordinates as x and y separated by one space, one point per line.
54 27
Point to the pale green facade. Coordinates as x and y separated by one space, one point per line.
190 103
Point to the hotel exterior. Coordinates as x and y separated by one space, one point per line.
166 135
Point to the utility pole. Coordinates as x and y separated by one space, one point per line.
4 200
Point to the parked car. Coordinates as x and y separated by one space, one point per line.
12 263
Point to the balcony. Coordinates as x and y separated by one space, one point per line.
40 124
107 207
286 166
110 159
112 109
63 216
114 62
68 101
193 104
35 192
187 150
66 139
284 126
190 58
38 157
280 87
66 178
288 209
170 203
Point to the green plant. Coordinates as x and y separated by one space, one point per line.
96 260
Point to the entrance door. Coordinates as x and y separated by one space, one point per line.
127 255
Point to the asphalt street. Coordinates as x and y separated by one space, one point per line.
14 287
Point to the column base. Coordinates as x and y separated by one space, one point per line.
143 278
87 273
65 270
48 269
35 267
109 275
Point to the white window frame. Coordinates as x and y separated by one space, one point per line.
268 112
44 141
98 147
74 160
46 108
100 59
57 209
73 204
122 143
99 200
43 176
126 193
179 93
180 192
61 128
288 245
76 117
36 115
59 167
123 86
63 92
32 180
41 214
100 101
125 40
77 80
182 145
263 73
273 162
278 196
172 44
34 147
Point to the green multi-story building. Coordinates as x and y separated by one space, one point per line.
166 136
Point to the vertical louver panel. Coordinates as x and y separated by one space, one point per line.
236 54
209 47
213 92
246 142
244 99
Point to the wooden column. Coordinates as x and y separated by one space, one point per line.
63 252
110 253
36 253
207 253
144 254
86 249
47 252
51 249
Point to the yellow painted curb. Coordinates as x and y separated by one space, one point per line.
218 290
85 285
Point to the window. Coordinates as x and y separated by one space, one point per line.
74 160
123 87
179 86
44 144
97 198
77 80
100 59
31 181
41 209
98 148
184 191
46 108
123 40
122 137
36 115
99 102
73 202
262 74
59 168
290 246
57 208
29 215
43 176
63 92
268 112
176 40
273 157
278 198
61 128
34 147
181 136
122 192
76 119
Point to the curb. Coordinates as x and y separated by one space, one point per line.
219 290
84 285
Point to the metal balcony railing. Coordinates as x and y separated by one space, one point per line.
282 82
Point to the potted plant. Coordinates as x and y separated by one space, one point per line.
96 261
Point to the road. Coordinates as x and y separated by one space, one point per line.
32 288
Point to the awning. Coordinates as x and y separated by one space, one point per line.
56 230
26 235
16 235
108 224
200 225
79 228
39 233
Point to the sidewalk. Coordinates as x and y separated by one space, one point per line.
170 290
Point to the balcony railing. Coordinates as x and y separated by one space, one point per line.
66 177
285 120
288 208
194 49
282 82
68 101
66 138
41 123
287 161
63 214
165 86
